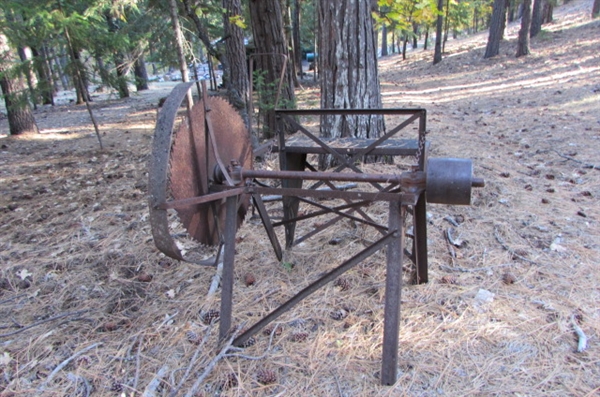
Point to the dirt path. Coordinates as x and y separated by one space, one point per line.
78 268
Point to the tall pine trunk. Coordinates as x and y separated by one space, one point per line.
523 41
140 73
348 65
20 116
536 18
270 38
437 53
235 65
495 35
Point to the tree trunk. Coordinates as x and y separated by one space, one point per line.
119 60
596 9
29 77
384 42
426 38
437 54
140 73
178 40
503 26
523 41
348 63
493 45
415 41
296 37
77 67
236 67
446 25
45 81
536 18
270 39
20 117
547 12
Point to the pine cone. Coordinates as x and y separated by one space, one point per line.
267 331
266 376
230 381
509 278
299 337
250 342
210 316
448 280
342 283
116 386
192 337
338 314
249 279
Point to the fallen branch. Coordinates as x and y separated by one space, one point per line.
216 280
64 364
586 165
175 391
59 316
510 250
150 390
194 389
137 362
477 269
582 342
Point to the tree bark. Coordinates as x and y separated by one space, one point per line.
271 42
140 73
20 116
384 42
596 9
236 67
118 59
296 37
495 35
179 46
45 81
523 41
536 18
437 54
348 65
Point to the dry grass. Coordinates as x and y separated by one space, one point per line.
89 307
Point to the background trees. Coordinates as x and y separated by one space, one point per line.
53 44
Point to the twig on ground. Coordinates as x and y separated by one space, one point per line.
137 361
167 319
262 355
510 250
64 364
582 342
150 390
194 389
586 165
337 381
62 315
201 345
477 269
12 298
216 280
451 220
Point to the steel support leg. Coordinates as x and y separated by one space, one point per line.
420 240
393 286
228 261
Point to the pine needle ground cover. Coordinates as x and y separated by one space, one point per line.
89 307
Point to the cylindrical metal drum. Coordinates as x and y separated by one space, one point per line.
449 181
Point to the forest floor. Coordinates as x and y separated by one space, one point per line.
88 306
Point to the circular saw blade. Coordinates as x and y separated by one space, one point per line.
193 160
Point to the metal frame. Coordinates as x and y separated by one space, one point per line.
404 193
